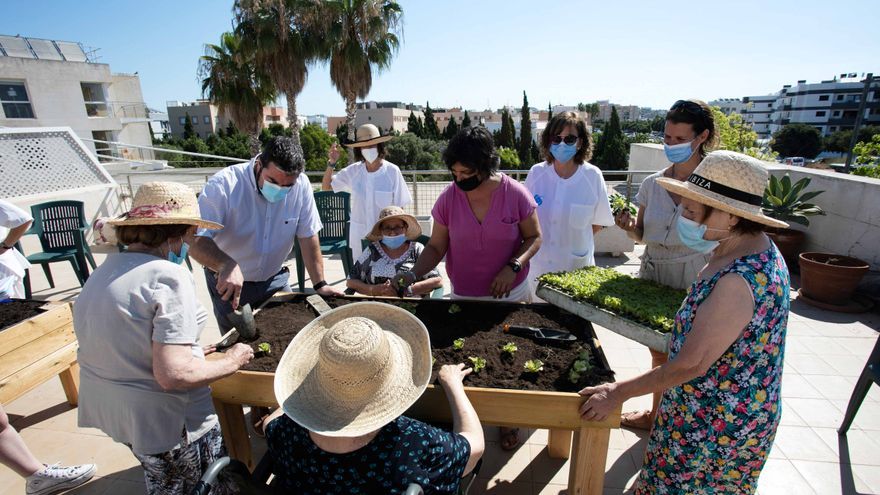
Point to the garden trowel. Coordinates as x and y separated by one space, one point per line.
541 335
243 327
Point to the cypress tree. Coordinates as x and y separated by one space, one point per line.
188 130
525 133
451 128
431 130
506 135
549 112
413 125
613 151
466 121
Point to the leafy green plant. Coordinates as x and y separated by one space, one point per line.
264 348
533 366
619 204
872 171
643 301
580 366
787 202
458 344
509 348
477 363
454 308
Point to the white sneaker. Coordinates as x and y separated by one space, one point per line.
57 478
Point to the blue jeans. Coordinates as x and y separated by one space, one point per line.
253 293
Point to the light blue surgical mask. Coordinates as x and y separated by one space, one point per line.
678 153
273 192
178 258
563 152
691 234
394 241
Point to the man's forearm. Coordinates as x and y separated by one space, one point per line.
311 253
327 180
208 254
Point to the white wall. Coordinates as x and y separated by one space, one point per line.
649 157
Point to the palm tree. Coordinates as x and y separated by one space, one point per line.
275 31
231 80
359 35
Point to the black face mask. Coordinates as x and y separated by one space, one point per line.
470 183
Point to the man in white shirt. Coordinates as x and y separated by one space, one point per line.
262 205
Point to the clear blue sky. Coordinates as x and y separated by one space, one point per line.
484 53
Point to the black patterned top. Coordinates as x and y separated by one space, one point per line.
375 266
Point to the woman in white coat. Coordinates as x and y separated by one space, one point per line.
373 182
571 197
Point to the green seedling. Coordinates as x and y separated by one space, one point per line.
533 366
509 348
454 308
264 348
458 344
477 363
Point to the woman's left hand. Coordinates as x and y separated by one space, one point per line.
601 402
209 349
503 283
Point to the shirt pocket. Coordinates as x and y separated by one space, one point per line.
382 199
580 216
507 229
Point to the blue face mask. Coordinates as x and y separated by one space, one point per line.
178 258
678 153
691 234
394 241
273 192
563 152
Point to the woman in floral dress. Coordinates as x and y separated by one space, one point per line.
721 402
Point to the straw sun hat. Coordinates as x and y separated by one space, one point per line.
164 203
729 181
354 369
413 229
368 135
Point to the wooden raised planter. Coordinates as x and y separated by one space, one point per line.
585 441
654 339
37 349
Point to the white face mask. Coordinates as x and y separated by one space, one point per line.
370 154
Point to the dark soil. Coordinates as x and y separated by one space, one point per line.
480 324
18 310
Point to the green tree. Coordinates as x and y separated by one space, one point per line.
431 131
232 81
509 158
505 137
549 112
612 153
525 132
342 132
868 153
840 140
414 125
466 120
797 140
735 134
273 130
411 152
315 144
188 130
358 36
451 128
283 44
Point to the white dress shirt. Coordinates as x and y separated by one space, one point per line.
257 234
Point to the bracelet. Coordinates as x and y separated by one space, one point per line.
319 285
331 165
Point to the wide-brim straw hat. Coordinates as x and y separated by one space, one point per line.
413 229
368 135
164 203
354 369
729 181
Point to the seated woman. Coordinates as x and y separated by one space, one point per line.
343 383
393 248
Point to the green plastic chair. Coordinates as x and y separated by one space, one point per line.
436 293
870 376
61 227
335 212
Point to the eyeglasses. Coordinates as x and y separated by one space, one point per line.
393 229
687 106
570 139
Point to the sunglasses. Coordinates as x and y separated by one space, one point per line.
687 106
570 139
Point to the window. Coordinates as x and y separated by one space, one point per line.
183 121
206 119
823 97
820 113
195 120
839 98
769 105
14 98
93 96
837 113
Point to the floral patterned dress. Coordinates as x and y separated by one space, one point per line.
713 433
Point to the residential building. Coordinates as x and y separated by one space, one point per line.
624 112
159 125
758 111
388 116
319 120
728 105
206 117
49 83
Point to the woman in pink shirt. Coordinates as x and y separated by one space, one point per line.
487 227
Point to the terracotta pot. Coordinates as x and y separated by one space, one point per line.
789 242
830 278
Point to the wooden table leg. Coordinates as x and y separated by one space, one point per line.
70 383
559 444
235 434
587 469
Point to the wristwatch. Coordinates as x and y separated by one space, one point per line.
319 285
331 165
4 246
515 265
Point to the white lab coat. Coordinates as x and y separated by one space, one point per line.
12 263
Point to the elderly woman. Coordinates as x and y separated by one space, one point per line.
721 402
143 376
393 248
688 136
343 383
373 182
571 196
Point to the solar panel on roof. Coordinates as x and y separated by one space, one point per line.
45 49
15 47
71 51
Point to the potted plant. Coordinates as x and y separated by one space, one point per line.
830 279
790 203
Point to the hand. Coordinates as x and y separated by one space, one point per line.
240 354
402 280
229 283
602 401
503 283
625 221
385 289
333 154
452 375
330 291
209 349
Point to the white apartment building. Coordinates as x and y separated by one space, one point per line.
48 83
206 117
728 105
